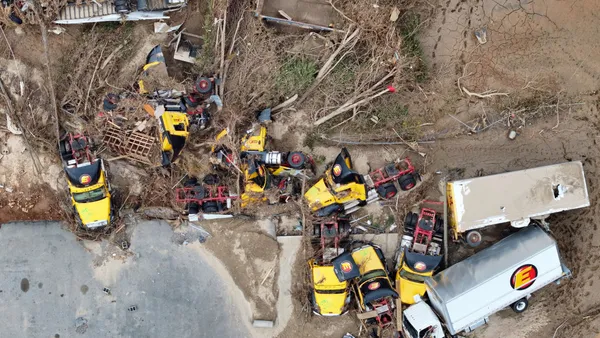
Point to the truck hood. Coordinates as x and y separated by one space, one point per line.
94 211
331 304
408 289
318 195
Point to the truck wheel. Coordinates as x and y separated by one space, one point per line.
190 182
407 182
211 179
520 305
410 220
210 207
317 230
203 85
387 190
473 238
198 192
439 225
193 208
296 159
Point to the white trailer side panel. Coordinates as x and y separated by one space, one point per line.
494 278
513 196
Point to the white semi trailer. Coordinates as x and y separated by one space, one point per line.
514 197
504 275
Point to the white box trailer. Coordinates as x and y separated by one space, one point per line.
515 197
505 274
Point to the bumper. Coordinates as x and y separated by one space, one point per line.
96 225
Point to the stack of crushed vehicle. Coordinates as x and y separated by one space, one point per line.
433 302
427 297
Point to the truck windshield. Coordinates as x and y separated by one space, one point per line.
90 196
411 276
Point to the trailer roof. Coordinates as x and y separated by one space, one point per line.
489 263
514 196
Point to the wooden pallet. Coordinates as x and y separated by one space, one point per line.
136 145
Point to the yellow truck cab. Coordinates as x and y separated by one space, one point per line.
88 185
330 297
255 139
412 271
420 252
173 134
340 185
366 267
155 66
257 179
90 195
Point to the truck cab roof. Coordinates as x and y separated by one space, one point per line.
420 317
86 175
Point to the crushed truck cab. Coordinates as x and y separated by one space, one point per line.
88 183
420 252
330 297
173 134
340 185
91 201
366 267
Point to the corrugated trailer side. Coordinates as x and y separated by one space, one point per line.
468 292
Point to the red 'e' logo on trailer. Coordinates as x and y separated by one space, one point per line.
523 277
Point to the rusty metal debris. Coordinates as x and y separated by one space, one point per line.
135 145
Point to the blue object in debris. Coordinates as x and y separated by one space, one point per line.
264 116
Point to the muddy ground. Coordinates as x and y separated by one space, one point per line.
539 56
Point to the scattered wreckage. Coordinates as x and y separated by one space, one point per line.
81 12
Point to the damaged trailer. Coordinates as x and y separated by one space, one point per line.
515 197
81 12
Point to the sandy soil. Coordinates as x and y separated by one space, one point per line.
250 255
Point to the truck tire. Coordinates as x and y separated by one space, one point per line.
317 230
439 224
473 238
211 179
520 305
190 182
193 208
296 159
407 182
387 190
210 207
198 192
410 221
203 85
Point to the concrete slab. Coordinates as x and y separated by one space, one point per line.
289 249
50 288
